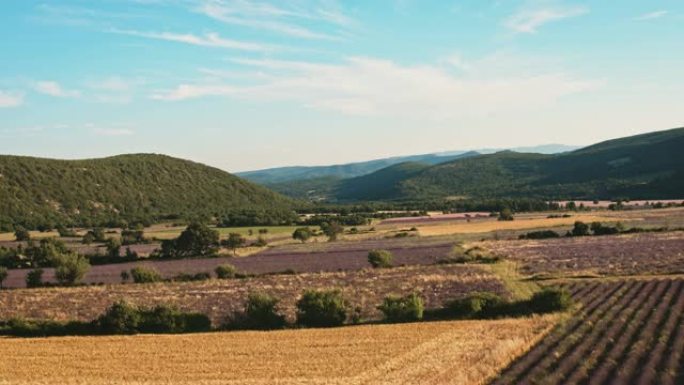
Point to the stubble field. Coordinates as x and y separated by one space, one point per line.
436 353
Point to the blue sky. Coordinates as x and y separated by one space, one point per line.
251 84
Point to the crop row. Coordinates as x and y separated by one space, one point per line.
625 332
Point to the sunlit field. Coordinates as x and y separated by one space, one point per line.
457 352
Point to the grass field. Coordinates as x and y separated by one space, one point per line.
520 223
459 352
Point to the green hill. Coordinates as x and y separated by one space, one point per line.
141 187
645 166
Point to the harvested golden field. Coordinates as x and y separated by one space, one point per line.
520 223
457 352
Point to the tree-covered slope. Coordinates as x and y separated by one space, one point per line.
148 187
644 166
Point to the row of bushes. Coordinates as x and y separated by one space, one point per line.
120 318
581 229
315 308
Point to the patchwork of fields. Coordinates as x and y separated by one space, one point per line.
460 352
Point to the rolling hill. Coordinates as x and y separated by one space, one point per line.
146 187
645 166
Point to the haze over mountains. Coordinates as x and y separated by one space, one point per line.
349 170
646 166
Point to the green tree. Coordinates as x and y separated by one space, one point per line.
197 240
302 234
233 242
70 268
3 275
21 234
380 258
260 313
506 215
580 229
332 230
321 308
34 278
113 247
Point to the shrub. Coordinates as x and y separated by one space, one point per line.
34 278
21 234
321 308
65 232
550 299
259 313
3 275
187 277
380 258
478 304
302 234
123 318
542 234
599 229
70 268
125 276
506 215
260 242
120 318
402 309
225 271
145 275
580 229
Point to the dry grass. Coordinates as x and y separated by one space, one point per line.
520 223
459 352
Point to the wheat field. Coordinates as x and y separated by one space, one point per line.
456 352
520 223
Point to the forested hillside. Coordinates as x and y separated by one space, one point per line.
142 187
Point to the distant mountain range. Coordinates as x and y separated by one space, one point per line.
645 166
278 175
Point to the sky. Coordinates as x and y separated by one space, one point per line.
245 84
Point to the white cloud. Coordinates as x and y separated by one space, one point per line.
52 88
207 40
529 20
8 99
281 20
652 15
108 130
368 86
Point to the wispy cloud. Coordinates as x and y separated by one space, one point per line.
10 99
207 40
652 15
53 88
529 20
109 130
287 21
369 86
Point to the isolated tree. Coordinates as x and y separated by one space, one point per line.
571 206
321 308
21 234
70 268
234 241
3 275
332 230
197 240
506 215
302 234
